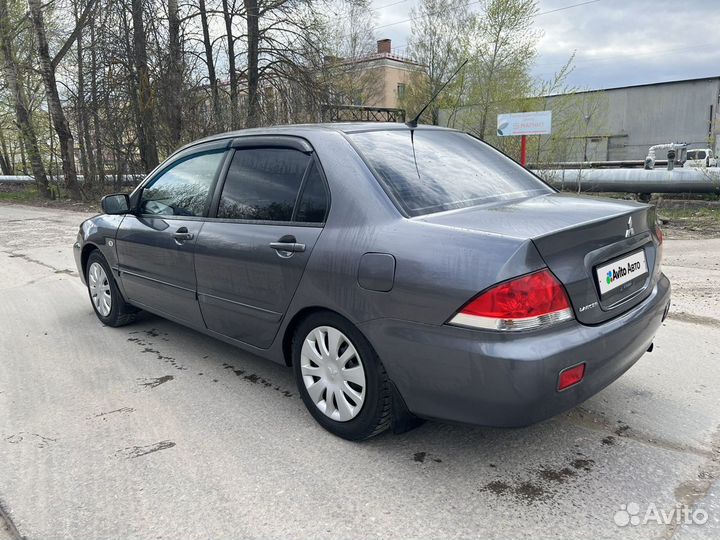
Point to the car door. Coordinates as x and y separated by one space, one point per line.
251 254
155 246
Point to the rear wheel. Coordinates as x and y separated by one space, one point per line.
107 302
340 378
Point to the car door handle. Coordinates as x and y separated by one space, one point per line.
182 234
292 247
288 244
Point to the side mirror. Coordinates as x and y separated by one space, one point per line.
118 203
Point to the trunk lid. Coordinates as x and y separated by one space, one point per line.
577 237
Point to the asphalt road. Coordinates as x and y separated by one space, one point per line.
156 431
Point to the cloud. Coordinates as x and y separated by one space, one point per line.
617 42
620 43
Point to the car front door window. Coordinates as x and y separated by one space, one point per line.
184 188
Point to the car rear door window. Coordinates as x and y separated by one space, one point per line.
184 188
313 203
263 184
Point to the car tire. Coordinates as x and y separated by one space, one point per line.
368 394
105 298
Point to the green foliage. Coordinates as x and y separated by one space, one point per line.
20 196
500 43
504 51
440 41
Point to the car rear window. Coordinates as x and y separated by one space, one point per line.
436 170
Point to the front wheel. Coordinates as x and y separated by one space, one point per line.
107 302
340 377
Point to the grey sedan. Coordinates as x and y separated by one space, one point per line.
402 272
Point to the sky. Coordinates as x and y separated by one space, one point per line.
617 42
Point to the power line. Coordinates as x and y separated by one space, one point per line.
567 7
581 63
390 5
405 45
479 1
410 19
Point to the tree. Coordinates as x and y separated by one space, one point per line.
282 40
350 36
131 79
87 159
146 128
7 166
174 76
20 103
252 15
549 148
216 121
228 11
60 122
94 95
439 41
504 48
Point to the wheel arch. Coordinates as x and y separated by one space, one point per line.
87 249
401 419
298 318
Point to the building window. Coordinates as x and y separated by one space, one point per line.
401 90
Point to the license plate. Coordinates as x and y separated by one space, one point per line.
617 273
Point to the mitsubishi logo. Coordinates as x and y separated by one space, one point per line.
630 231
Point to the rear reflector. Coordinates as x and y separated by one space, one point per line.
531 301
571 376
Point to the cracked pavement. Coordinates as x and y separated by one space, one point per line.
155 431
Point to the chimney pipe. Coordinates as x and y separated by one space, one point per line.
384 46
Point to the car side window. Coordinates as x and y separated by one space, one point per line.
263 184
184 188
313 203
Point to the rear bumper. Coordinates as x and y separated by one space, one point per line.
493 379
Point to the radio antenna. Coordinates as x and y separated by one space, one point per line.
412 124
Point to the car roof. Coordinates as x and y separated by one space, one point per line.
302 129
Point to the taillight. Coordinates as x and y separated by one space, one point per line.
531 301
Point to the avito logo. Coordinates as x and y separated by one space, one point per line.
622 271
612 275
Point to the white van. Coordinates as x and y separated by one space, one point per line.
700 157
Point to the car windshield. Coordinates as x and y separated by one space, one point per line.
441 170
